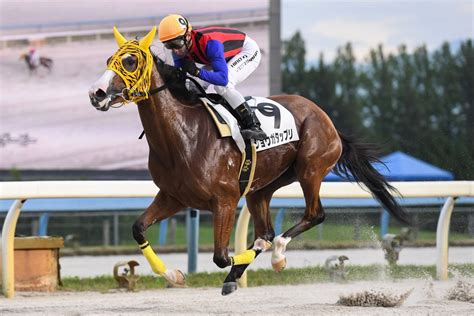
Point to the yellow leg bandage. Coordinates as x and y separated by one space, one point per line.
155 262
245 257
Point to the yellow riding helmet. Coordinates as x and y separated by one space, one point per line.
173 26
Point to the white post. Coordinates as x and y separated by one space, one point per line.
240 243
8 239
442 238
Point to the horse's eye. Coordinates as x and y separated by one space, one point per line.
129 63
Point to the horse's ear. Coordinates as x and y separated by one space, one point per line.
148 39
119 37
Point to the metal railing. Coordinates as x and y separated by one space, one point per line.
101 28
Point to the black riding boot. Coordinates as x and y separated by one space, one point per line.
249 124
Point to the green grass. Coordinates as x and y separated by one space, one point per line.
269 277
335 232
333 237
331 233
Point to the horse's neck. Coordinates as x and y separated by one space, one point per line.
163 118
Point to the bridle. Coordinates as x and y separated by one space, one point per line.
124 93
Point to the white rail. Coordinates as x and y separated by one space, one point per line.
99 32
21 191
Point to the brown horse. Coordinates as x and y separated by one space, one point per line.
43 61
194 167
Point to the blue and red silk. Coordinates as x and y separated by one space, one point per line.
214 46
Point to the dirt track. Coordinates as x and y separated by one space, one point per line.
318 298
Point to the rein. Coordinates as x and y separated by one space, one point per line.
152 92
156 90
164 87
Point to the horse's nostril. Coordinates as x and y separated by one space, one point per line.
100 94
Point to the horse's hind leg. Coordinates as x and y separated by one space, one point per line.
163 206
314 212
310 172
47 63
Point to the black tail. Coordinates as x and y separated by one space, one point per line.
356 163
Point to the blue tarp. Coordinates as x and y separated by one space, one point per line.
124 204
403 167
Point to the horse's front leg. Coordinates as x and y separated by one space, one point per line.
258 207
223 220
162 207
241 261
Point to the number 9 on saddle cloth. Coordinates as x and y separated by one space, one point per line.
276 121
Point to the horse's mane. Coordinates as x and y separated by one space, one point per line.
175 80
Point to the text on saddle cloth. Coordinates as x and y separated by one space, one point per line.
276 121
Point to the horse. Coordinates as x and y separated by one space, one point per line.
33 67
194 167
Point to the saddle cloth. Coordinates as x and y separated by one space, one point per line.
276 121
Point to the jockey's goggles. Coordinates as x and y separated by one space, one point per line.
176 43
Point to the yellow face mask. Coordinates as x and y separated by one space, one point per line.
137 82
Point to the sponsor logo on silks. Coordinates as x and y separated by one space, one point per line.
241 58
238 60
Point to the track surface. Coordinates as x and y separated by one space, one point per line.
307 299
427 298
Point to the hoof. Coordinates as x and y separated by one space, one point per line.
229 287
175 278
280 265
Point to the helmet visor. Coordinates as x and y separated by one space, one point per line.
176 43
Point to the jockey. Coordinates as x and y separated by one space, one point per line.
229 56
33 57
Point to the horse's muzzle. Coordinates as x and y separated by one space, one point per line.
99 100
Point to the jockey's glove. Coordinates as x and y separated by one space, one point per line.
190 67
